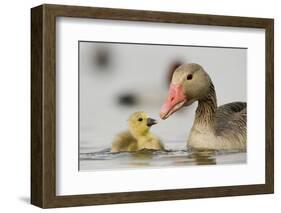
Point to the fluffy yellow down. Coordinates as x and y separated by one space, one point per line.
138 136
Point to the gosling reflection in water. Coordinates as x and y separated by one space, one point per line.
142 157
144 154
148 157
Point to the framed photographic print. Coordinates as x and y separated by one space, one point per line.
136 106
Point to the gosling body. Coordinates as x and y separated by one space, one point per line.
138 137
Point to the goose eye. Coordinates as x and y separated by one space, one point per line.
140 119
189 77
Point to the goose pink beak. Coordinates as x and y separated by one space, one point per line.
175 100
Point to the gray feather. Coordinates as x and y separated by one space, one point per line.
231 118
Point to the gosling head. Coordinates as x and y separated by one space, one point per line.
189 83
140 123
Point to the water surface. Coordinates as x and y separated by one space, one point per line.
92 159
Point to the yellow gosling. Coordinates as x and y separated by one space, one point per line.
138 136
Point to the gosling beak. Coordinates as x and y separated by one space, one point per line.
150 122
175 101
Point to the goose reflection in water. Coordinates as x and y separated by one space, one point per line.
203 157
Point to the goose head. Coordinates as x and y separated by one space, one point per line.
189 83
140 123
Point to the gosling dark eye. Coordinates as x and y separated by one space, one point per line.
189 77
140 119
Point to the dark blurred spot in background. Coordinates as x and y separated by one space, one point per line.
128 99
171 71
102 59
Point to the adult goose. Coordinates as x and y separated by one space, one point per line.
215 128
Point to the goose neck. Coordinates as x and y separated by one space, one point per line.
205 112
